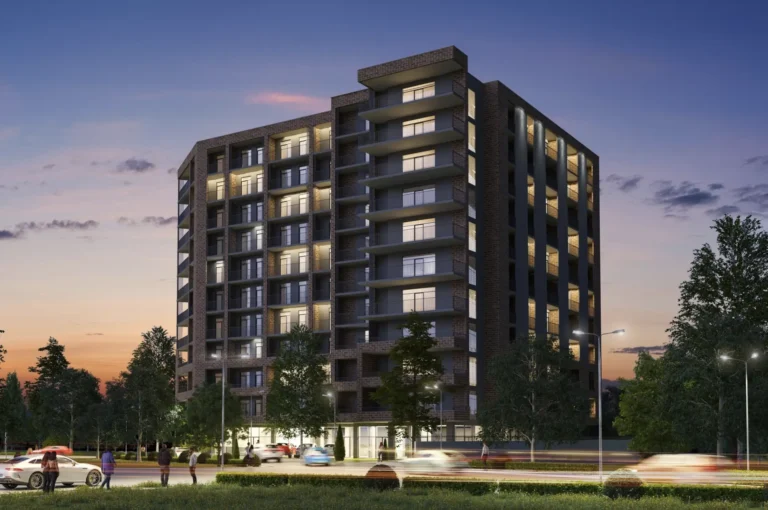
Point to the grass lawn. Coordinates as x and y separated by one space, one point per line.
298 496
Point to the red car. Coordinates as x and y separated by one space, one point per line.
60 450
285 448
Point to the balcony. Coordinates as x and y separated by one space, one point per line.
322 325
214 223
573 248
239 246
184 217
428 306
531 323
184 242
552 211
244 331
414 170
420 237
291 210
351 256
445 129
322 205
284 328
184 191
321 234
552 268
182 342
416 272
350 320
289 269
553 327
238 303
242 161
245 189
283 242
291 150
215 250
238 275
591 310
183 268
322 264
213 196
351 163
215 278
287 299
240 220
182 318
355 126
433 201
287 186
351 194
183 292
322 174
347 288
446 96
323 144
349 224
214 305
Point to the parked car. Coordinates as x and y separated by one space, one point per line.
435 461
27 470
302 448
60 450
316 455
286 448
268 452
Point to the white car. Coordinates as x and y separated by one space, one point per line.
265 453
27 470
435 461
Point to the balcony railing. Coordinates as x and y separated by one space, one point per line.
239 274
323 204
553 269
348 318
238 218
323 234
350 254
215 250
183 291
184 239
216 167
357 159
551 151
248 188
184 214
242 246
350 223
573 305
184 264
322 294
322 173
531 322
531 198
293 150
426 197
553 327
531 260
323 264
185 188
323 144
322 324
214 223
288 299
239 303
285 240
256 158
292 210
289 268
215 195
353 190
284 328
241 331
573 194
213 305
427 302
572 166
551 209
182 316
416 268
350 286
214 334
215 278
573 249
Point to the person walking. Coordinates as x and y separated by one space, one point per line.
29 451
164 461
50 472
381 451
107 467
484 455
249 455
193 465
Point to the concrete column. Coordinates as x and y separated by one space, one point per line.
562 241
540 227
521 222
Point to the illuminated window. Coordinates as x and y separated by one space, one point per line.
419 300
471 103
418 92
472 339
472 237
472 403
418 196
473 371
472 175
471 141
418 265
418 230
472 304
418 126
418 161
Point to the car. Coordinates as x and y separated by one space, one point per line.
268 452
435 461
302 448
60 450
287 449
316 456
691 467
27 470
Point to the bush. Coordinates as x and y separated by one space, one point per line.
56 440
275 480
227 458
382 477
184 457
339 450
623 483
203 458
492 464
130 456
706 493
152 456
117 455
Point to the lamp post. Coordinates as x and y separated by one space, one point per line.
437 387
754 355
599 392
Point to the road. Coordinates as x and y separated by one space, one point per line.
130 476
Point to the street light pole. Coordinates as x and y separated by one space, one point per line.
599 392
725 357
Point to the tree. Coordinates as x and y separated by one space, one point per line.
117 430
404 388
79 393
339 448
611 397
297 403
204 414
533 398
43 394
13 418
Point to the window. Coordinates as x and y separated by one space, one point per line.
472 371
366 336
367 210
472 206
285 235
418 230
285 293
259 156
471 103
463 433
302 292
418 196
472 340
430 331
285 264
472 174
258 378
258 347
245 407
303 266
285 148
245 185
259 296
472 403
418 161
285 178
472 272
220 188
303 203
219 271
471 141
418 126
285 322
303 146
245 350
472 237
303 175
245 211
259 267
259 320
245 241
419 300
472 304
245 297
220 218
259 238
418 265
219 164
303 317
219 328
258 406
302 233
259 211
245 325
592 408
418 92
285 206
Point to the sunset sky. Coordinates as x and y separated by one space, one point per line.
101 101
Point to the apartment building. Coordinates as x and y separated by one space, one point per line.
427 190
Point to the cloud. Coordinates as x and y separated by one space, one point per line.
651 349
682 197
625 184
49 166
9 188
134 165
715 186
122 220
678 217
7 234
723 210
155 221
94 334
758 161
33 226
8 133
755 195
297 101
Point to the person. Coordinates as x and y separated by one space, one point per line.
50 471
107 467
381 451
484 455
249 455
164 461
29 451
193 465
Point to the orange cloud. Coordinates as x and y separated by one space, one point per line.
298 101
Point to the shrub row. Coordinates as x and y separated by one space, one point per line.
534 466
275 480
478 487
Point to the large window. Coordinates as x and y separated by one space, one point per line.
472 339
285 178
419 300
418 230
302 292
418 196
472 304
418 265
418 92
258 347
302 233
471 140
472 371
472 237
471 103
303 174
418 161
418 126
303 145
463 433
472 403
472 174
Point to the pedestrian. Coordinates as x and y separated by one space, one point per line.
50 472
249 455
381 451
484 455
29 451
107 467
164 461
193 464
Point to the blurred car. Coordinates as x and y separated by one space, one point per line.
286 448
302 448
27 470
688 466
60 450
316 455
435 461
269 452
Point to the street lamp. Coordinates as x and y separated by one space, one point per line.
754 355
436 386
599 391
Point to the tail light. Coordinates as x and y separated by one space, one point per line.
14 469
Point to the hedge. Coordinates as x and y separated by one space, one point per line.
479 487
706 493
275 480
534 466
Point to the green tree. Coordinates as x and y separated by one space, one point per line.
533 398
297 405
79 392
43 394
404 388
117 428
339 448
204 415
13 418
611 396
